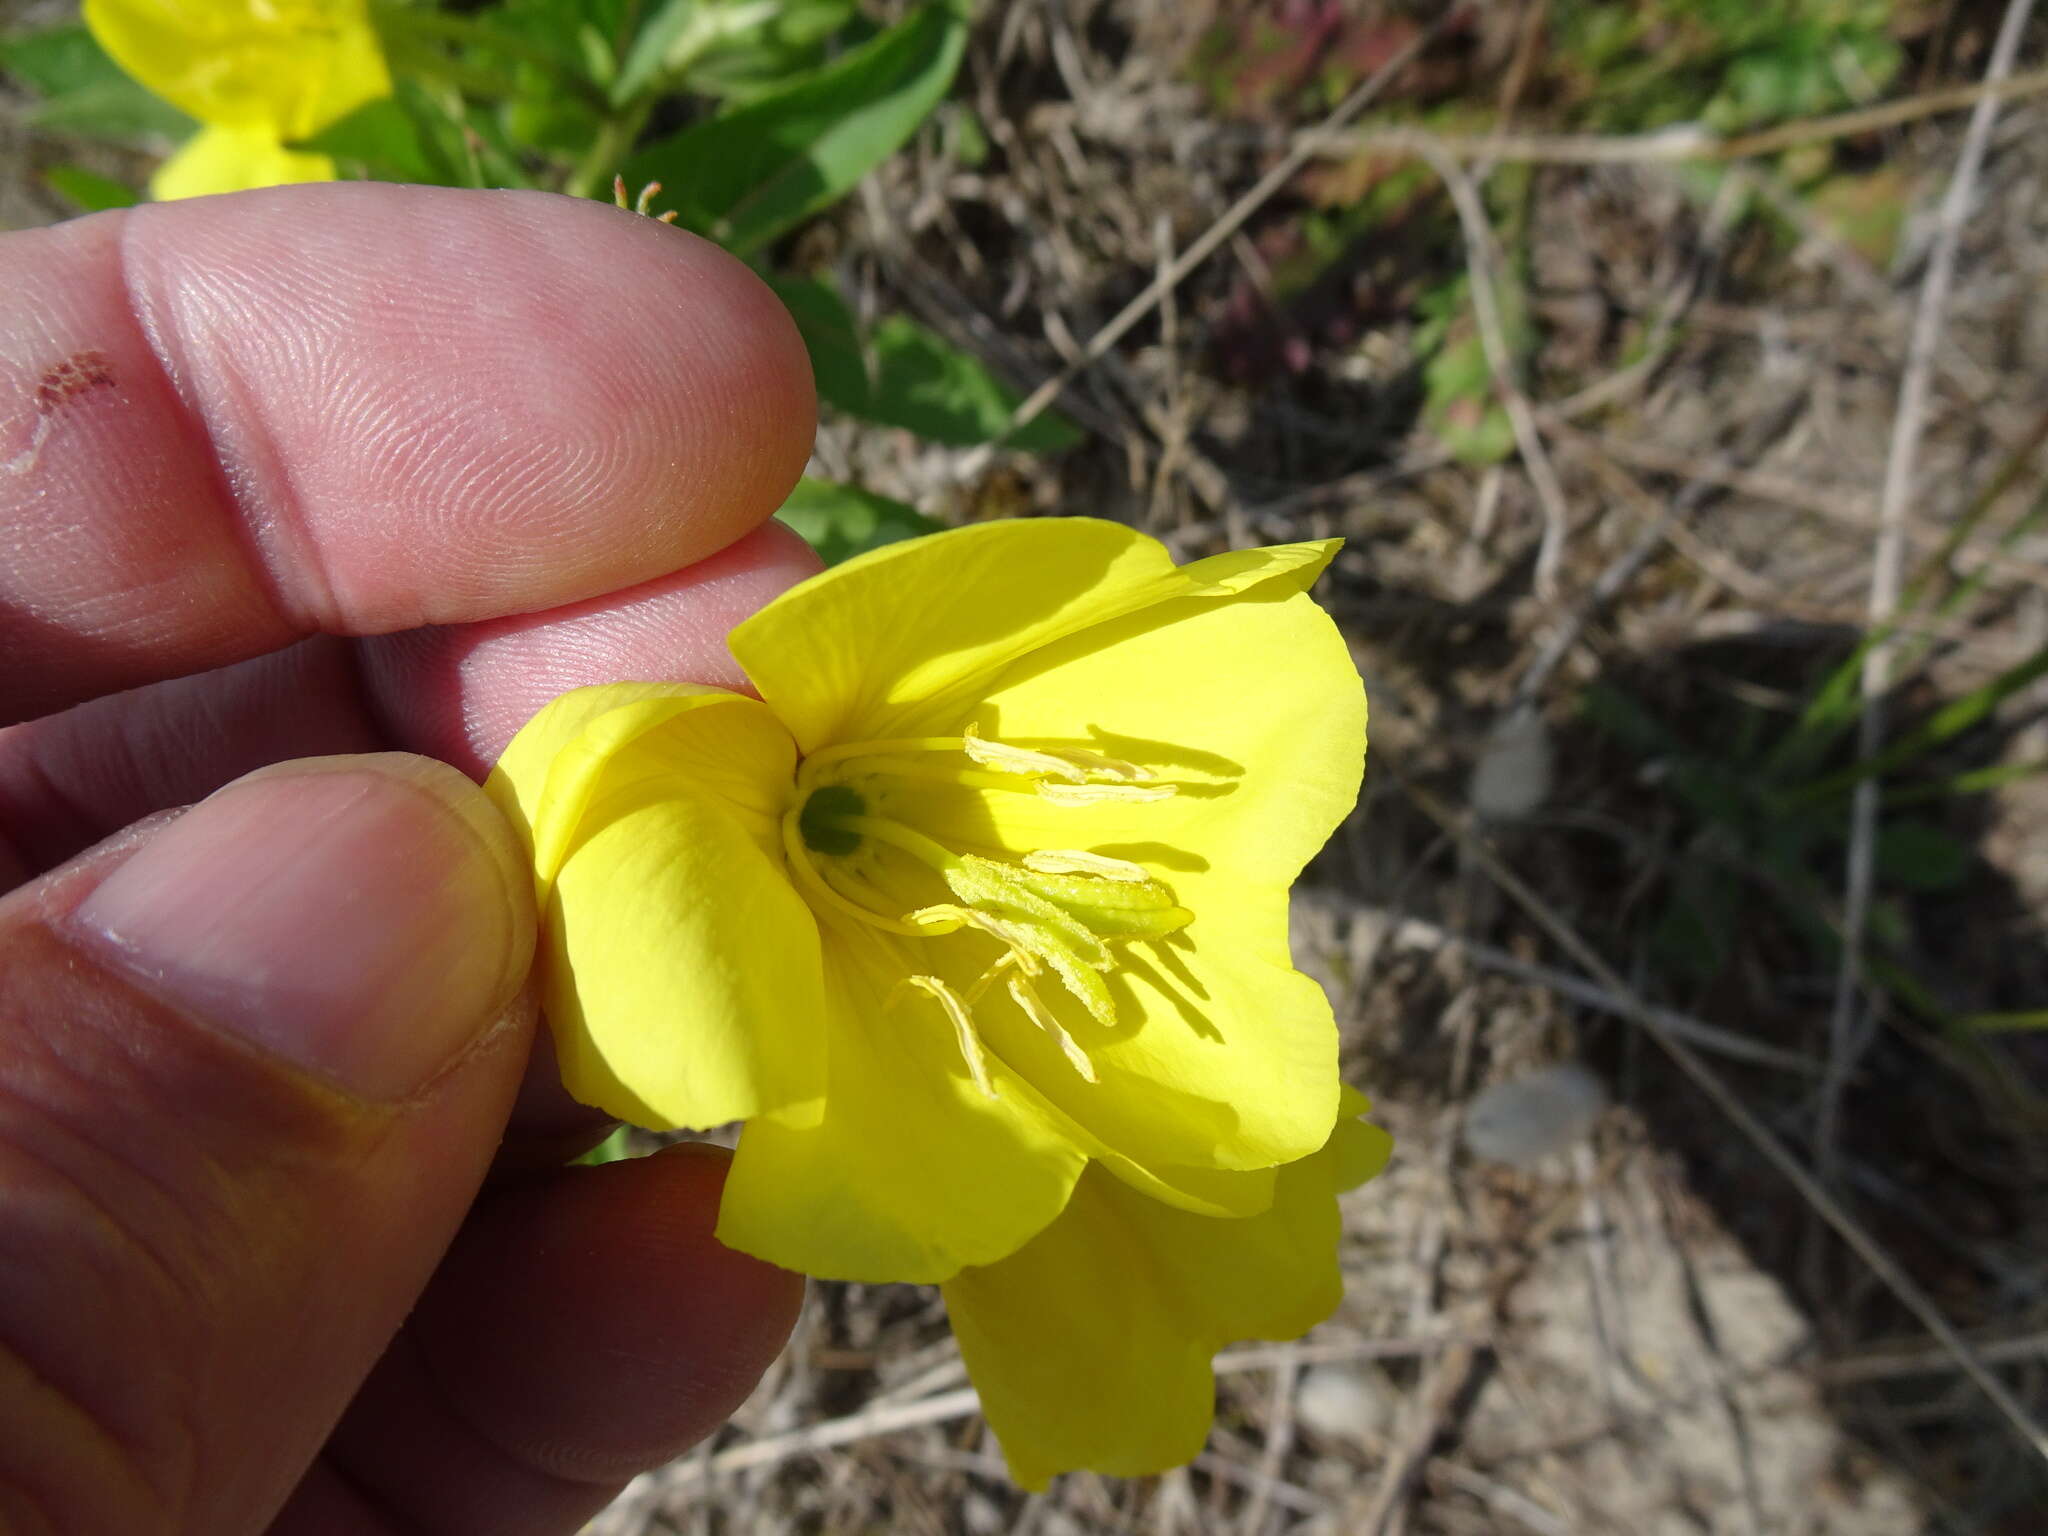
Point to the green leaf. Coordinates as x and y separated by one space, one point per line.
91 191
646 61
966 139
2003 1023
84 92
925 383
839 362
750 174
1621 717
1920 856
579 31
685 41
795 41
424 134
841 521
384 139
1459 402
58 59
615 1148
903 375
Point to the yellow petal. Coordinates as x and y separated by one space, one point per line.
680 973
288 66
1223 1056
680 970
616 738
1358 1149
234 160
913 1172
1090 1346
866 649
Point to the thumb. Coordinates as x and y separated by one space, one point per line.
253 1065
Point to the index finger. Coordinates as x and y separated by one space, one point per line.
356 408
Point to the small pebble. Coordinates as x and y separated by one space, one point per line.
1527 1119
1513 776
1340 1402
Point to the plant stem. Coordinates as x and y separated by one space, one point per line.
608 151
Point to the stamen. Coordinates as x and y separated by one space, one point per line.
1036 1011
963 1027
988 886
1087 985
1004 758
644 203
1100 762
937 772
1074 764
1032 947
1006 960
1075 861
1095 794
936 922
1054 910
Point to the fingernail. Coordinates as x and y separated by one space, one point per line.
363 917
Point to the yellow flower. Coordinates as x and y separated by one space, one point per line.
978 917
258 75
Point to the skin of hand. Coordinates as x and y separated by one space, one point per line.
305 496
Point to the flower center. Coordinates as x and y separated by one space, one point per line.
1054 911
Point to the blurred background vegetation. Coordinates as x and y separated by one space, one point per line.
1677 373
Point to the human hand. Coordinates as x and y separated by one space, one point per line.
256 1059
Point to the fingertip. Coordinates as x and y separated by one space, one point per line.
358 408
460 692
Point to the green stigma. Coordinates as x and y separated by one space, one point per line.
819 821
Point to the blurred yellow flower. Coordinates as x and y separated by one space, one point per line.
259 75
978 917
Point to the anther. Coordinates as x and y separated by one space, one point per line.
644 203
1095 794
1004 758
963 1027
1074 861
1035 1010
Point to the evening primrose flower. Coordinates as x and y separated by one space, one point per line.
977 916
259 75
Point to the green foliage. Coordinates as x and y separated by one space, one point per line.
1764 800
747 175
900 374
1256 57
1459 401
82 91
1730 64
841 521
741 50
615 1148
90 191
